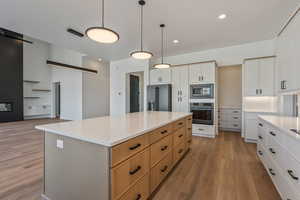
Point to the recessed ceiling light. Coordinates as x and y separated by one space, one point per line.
99 59
175 41
222 16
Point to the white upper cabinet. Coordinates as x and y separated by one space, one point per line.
259 77
180 89
287 52
160 76
202 73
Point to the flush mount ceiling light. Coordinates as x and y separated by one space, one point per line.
102 34
222 16
141 54
162 65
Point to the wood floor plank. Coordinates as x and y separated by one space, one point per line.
225 168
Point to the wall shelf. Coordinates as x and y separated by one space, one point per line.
41 90
30 81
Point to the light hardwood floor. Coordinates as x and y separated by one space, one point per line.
224 168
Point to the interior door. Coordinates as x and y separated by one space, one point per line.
134 94
251 77
266 71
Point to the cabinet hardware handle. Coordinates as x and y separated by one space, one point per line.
180 135
260 153
260 91
180 151
291 173
261 125
235 125
260 137
164 148
164 169
189 119
200 129
163 132
189 129
180 123
272 151
235 117
135 170
235 111
272 133
135 146
281 85
138 197
256 91
272 172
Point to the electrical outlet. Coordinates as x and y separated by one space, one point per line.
60 144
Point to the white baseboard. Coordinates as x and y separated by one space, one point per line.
250 141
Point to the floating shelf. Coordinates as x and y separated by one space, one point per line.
29 81
32 97
41 90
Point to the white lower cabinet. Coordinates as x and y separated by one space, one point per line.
203 130
273 149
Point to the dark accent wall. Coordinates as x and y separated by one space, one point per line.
11 75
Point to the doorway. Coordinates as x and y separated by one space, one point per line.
134 92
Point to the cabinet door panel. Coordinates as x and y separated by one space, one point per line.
160 76
251 129
196 73
175 90
266 75
251 77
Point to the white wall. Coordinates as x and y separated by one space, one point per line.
95 89
36 69
70 80
225 56
118 71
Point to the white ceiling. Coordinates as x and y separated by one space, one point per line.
193 22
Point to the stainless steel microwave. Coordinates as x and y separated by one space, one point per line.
202 91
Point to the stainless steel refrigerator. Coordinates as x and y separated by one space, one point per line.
159 97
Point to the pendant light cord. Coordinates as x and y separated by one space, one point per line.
142 19
102 13
162 45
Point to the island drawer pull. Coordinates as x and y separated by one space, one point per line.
180 135
189 129
272 133
164 148
163 132
135 146
135 170
138 197
260 153
180 151
272 172
272 151
189 119
291 173
164 169
180 123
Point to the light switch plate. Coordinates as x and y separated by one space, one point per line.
60 144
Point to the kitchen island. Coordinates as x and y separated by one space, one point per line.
114 157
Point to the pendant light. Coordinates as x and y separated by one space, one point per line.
141 54
102 34
162 65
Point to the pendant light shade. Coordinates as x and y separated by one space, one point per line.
162 65
101 34
141 54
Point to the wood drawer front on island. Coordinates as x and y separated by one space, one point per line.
126 174
179 136
160 171
178 152
160 149
160 133
124 150
189 120
140 191
178 124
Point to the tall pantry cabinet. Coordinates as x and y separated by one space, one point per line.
180 89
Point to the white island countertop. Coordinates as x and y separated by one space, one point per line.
284 124
112 130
